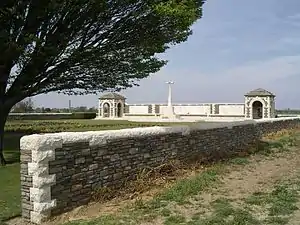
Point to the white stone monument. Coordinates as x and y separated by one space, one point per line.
111 105
169 112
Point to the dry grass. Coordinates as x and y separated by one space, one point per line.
150 179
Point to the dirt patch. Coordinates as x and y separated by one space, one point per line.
259 175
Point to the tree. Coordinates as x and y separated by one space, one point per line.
24 106
85 46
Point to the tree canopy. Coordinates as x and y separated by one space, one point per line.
85 46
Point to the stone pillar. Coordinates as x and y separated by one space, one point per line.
113 109
170 110
99 109
153 109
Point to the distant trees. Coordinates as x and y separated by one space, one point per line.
64 110
25 106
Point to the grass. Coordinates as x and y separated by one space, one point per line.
10 191
239 161
188 187
10 198
225 214
50 126
278 205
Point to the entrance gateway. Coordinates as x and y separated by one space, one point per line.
111 105
259 104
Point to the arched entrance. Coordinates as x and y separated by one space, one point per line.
119 110
106 110
257 110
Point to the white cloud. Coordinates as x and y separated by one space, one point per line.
294 17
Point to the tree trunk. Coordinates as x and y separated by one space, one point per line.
3 117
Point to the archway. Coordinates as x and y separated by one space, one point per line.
106 109
119 110
257 110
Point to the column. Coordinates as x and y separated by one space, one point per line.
99 108
113 111
170 107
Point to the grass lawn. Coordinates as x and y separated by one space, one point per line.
10 204
9 175
46 126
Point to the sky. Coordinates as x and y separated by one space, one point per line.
237 46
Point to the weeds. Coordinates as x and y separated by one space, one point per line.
239 161
280 203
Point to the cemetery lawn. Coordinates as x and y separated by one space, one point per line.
10 205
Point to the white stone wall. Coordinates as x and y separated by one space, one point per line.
191 109
232 109
138 109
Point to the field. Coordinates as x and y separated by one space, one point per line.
14 130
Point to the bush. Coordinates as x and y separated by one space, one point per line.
39 116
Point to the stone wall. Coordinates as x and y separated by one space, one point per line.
60 171
223 109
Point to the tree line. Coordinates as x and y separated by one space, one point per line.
27 106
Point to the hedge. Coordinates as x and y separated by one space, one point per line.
52 116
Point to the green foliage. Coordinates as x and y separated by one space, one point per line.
175 219
239 161
189 187
84 115
24 106
86 46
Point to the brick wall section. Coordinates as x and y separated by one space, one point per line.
26 184
65 168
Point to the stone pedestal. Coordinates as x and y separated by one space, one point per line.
169 113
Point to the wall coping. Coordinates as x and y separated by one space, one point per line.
36 141
184 104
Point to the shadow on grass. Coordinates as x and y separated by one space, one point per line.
12 146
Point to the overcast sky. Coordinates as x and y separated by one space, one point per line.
237 46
